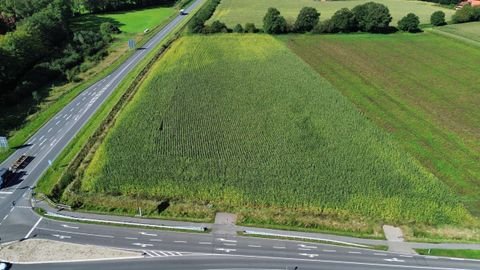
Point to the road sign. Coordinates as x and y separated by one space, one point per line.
3 143
131 44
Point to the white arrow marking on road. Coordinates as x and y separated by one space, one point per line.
308 255
305 246
148 234
62 236
142 245
394 260
68 226
226 249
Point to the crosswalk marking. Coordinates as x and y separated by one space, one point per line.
159 253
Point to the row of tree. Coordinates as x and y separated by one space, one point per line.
37 47
466 14
95 6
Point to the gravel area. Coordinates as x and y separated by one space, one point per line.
40 250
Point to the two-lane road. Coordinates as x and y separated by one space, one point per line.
55 135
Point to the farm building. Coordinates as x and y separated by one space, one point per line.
473 3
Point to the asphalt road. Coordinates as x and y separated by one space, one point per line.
55 135
164 249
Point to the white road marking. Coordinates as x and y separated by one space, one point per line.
305 249
53 142
406 256
33 139
329 250
205 243
148 234
50 129
68 117
308 255
226 240
58 122
70 227
180 241
22 207
142 245
394 260
131 238
255 246
277 247
1 198
11 210
226 250
78 103
380 254
305 246
41 138
6 192
355 252
62 236
78 233
229 244
457 259
71 110
5 217
156 240
64 116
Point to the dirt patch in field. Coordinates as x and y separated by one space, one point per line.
40 250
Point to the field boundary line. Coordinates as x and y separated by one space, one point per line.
454 36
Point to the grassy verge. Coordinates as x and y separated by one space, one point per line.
377 235
58 168
47 111
42 212
299 239
456 253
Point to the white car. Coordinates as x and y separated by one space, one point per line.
4 266
182 12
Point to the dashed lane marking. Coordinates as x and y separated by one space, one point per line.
180 241
277 247
227 240
62 236
255 246
205 243
380 254
406 256
305 246
305 249
148 234
70 227
156 240
229 244
329 250
131 238
308 255
227 250
77 233
355 252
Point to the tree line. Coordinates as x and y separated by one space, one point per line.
95 6
37 48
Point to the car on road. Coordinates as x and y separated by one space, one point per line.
5 265
183 12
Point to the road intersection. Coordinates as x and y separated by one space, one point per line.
175 250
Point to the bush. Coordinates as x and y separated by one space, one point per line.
250 28
466 14
409 23
108 28
324 27
438 18
197 23
238 29
343 21
274 23
306 20
218 27
372 17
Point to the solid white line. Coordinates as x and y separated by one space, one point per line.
33 228
457 259
406 256
5 217
79 233
339 262
6 192
131 238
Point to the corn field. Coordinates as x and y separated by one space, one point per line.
239 121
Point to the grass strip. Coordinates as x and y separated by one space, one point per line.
456 253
